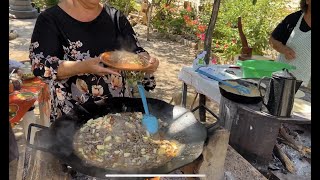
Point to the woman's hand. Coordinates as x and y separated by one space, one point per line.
154 63
281 48
91 66
289 53
95 66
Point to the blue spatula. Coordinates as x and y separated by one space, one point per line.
149 121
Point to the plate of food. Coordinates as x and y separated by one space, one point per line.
124 60
26 96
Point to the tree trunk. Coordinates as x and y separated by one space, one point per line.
126 9
149 14
209 33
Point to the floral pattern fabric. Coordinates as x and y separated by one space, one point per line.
57 37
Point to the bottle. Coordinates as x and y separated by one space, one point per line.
26 71
11 87
199 61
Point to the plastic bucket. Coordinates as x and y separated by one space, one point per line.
260 68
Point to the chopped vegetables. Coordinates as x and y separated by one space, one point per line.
120 141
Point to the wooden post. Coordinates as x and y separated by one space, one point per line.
184 95
214 155
209 33
202 110
149 14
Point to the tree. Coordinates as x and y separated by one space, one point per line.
210 29
149 14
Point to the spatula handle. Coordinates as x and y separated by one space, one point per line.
144 99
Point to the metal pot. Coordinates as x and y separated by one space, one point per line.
280 92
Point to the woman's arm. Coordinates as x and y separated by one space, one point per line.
91 66
281 34
281 48
45 51
46 54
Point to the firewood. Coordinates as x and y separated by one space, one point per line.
284 159
305 151
192 168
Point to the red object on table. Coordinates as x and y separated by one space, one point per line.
21 101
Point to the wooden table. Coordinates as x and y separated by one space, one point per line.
31 91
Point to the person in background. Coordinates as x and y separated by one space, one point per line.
292 39
66 43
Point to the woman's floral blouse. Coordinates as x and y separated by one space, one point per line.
58 37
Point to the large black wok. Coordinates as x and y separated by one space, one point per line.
182 126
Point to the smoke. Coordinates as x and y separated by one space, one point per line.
128 43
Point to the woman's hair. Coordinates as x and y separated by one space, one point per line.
303 5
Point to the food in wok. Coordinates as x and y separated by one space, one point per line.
124 60
119 141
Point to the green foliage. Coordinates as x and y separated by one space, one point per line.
50 3
126 6
177 20
258 21
165 17
254 2
43 4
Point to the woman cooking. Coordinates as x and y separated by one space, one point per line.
65 47
292 39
